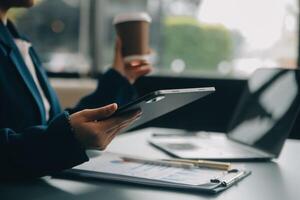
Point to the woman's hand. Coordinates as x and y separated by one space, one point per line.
133 70
93 128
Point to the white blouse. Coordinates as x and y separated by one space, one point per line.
24 47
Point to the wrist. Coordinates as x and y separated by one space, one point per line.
72 129
124 76
70 123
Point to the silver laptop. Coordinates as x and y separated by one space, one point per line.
260 124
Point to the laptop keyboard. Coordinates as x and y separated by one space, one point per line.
207 148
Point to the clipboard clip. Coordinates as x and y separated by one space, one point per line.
228 179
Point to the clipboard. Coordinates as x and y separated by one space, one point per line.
109 166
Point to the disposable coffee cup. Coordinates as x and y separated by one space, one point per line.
133 30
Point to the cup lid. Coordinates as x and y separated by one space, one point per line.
134 16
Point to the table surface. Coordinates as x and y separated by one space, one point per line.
274 180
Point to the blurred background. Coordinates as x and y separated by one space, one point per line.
196 43
227 38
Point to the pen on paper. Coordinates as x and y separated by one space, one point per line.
158 162
203 163
174 134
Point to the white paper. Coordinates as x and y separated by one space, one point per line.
113 164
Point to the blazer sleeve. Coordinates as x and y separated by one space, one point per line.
39 150
112 88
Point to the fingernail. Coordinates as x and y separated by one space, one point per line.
115 106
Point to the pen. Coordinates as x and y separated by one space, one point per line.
159 162
173 134
203 163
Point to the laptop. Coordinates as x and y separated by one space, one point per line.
260 124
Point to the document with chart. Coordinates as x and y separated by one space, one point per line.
111 166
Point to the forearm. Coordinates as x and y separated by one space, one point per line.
112 88
39 150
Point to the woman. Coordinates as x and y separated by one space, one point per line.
36 137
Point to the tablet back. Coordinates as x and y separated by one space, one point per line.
161 102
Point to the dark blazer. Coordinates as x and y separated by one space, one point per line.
30 146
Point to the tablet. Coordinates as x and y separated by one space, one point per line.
161 102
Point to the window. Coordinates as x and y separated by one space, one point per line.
227 37
55 30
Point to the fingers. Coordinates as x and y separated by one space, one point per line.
115 122
124 123
114 132
118 44
134 70
141 70
107 137
137 63
100 113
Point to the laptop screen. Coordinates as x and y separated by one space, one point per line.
267 109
